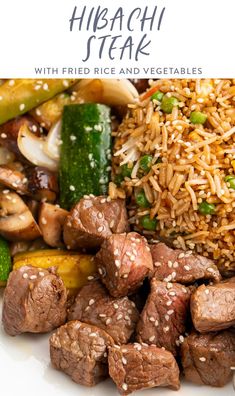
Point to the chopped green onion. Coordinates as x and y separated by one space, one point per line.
118 179
141 199
157 96
206 208
147 223
168 103
126 170
230 179
196 117
145 162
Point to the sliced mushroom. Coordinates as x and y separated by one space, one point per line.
16 220
42 183
13 179
10 130
51 222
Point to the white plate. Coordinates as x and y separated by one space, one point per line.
25 370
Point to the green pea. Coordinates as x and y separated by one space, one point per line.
206 208
168 103
196 117
157 96
126 171
230 179
147 223
145 162
141 199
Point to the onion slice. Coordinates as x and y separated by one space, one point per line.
52 142
115 92
32 148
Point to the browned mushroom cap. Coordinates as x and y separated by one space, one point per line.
9 133
51 221
42 183
13 179
16 220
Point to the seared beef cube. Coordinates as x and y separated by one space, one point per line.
135 366
34 301
213 307
209 358
92 220
164 317
81 350
117 316
123 262
176 265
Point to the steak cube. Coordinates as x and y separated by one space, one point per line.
209 358
123 262
176 265
117 316
164 317
34 301
80 350
213 307
135 366
92 220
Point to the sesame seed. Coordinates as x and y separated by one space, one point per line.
207 291
125 276
22 106
116 252
119 316
108 321
22 217
100 215
167 317
172 293
186 267
175 264
170 264
181 338
156 323
102 315
11 83
33 277
65 83
116 274
92 334
117 346
45 87
124 361
210 270
25 276
41 273
100 271
166 329
111 224
173 275
115 306
152 338
202 359
100 229
181 255
117 263
132 257
169 285
129 311
169 303
126 317
44 220
72 188
90 277
3 135
6 191
91 302
170 312
105 354
152 319
137 346
73 138
124 386
157 264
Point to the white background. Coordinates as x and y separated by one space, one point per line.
194 33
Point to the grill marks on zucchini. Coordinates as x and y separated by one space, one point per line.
85 163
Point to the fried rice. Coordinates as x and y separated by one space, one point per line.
189 165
